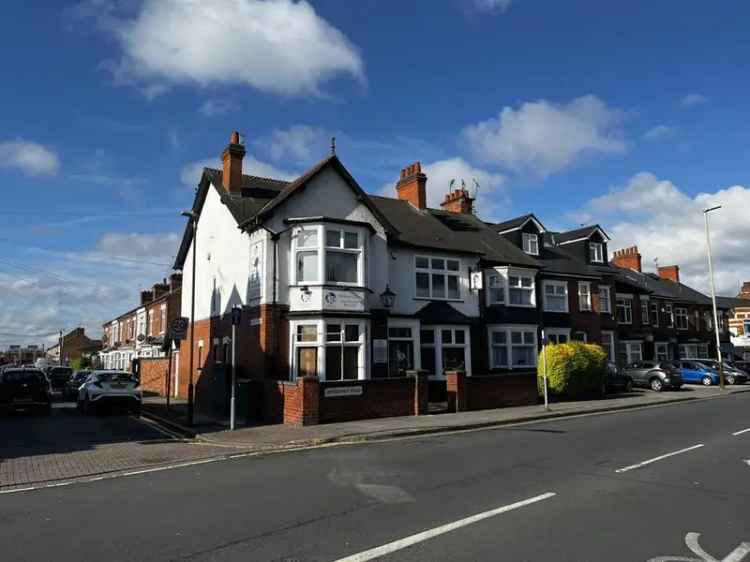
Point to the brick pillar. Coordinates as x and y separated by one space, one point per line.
421 391
457 391
309 388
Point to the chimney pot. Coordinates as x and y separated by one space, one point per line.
232 159
412 186
670 273
628 258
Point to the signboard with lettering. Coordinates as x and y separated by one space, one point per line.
342 391
477 280
178 328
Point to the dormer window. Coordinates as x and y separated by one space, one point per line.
596 252
531 243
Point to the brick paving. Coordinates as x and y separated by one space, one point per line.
67 445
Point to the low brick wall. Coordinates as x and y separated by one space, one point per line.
485 392
379 398
154 375
308 401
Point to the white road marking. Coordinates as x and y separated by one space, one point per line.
660 457
406 542
691 541
747 462
159 428
740 432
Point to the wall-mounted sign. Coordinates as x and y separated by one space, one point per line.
477 280
380 351
255 321
178 328
341 391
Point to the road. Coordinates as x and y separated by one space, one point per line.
589 487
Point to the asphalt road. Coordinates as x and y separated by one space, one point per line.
339 503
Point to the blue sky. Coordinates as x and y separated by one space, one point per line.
630 114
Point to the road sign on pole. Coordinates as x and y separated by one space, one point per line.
178 328
236 317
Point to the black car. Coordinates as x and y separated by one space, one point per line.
70 390
25 389
657 375
59 377
617 381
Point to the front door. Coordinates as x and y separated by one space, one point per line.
307 361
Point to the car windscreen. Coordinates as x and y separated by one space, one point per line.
22 377
61 371
669 365
115 377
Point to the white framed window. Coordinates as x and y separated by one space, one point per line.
530 243
628 352
403 352
331 349
163 319
328 254
681 315
511 287
444 348
555 296
693 351
437 278
625 309
661 350
512 347
596 252
557 335
669 315
605 299
644 309
584 295
580 336
697 319
608 343
655 314
708 320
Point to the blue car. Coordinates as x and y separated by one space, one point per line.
697 373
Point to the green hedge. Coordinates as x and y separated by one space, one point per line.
574 369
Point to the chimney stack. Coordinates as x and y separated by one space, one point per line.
458 201
232 158
175 282
745 291
146 297
670 273
160 289
629 258
412 186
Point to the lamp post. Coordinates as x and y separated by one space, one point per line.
191 399
713 295
387 299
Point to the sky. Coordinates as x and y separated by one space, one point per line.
633 115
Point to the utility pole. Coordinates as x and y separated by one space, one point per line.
191 399
544 358
60 348
236 316
713 295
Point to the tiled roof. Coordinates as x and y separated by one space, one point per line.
513 223
583 232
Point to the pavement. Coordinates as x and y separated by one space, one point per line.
650 485
267 438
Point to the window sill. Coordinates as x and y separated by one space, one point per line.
437 299
521 305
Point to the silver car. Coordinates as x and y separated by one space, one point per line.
110 388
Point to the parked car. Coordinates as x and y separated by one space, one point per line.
25 389
617 381
657 375
698 373
732 375
111 388
70 390
59 376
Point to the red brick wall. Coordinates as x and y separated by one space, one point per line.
154 375
381 398
490 391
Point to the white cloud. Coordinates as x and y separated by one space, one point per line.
439 175
279 46
491 6
130 190
153 247
216 107
31 158
190 174
659 132
667 224
300 143
545 137
693 99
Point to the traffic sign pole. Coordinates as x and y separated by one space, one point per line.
236 316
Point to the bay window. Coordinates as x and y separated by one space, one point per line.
644 310
697 320
681 315
437 278
669 315
629 352
596 252
584 295
530 243
329 349
555 296
512 287
520 290
625 309
608 343
496 288
655 314
709 321
512 347
445 348
328 255
605 300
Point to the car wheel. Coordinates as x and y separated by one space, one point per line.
706 381
656 384
730 379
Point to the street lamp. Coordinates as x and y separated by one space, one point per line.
192 215
387 298
713 294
